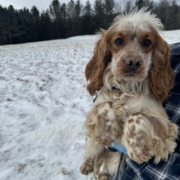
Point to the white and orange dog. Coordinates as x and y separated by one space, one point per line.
131 72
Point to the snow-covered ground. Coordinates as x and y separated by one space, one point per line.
43 102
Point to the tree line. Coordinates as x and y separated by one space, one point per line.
62 20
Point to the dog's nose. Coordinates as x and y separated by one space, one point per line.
133 63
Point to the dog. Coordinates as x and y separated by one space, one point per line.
131 74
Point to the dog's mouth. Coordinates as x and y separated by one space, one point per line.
129 75
132 76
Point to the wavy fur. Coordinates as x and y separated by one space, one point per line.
128 107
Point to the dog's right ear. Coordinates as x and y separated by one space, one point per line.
161 75
96 66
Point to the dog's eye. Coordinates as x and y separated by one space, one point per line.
146 42
118 41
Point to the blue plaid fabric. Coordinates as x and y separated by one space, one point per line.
169 170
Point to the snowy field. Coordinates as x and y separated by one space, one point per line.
43 102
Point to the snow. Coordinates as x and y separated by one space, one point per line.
43 103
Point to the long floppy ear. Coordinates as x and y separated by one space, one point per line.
161 75
96 66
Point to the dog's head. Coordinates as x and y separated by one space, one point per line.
137 52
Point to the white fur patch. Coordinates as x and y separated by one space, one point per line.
136 19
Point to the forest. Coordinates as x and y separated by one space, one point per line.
63 20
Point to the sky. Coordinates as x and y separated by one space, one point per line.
40 4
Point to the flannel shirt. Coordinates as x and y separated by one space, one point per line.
164 170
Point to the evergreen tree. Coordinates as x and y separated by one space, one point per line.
87 20
3 30
35 18
63 29
24 22
64 20
128 6
99 8
45 26
163 12
144 3
55 15
88 9
12 28
99 11
109 12
74 17
78 8
174 16
71 15
139 4
109 7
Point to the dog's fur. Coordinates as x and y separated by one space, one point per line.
131 70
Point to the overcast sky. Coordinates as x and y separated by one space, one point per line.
40 4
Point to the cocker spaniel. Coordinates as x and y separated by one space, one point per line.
131 74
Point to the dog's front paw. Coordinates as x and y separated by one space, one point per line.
104 176
139 154
166 144
106 128
136 141
87 167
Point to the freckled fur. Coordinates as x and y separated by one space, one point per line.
132 112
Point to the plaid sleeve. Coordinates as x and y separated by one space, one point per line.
165 170
169 170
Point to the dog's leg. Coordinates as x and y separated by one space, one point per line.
99 162
104 175
102 128
107 126
92 150
135 131
87 167
145 137
164 135
136 138
109 166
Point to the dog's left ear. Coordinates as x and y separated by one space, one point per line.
96 66
161 75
